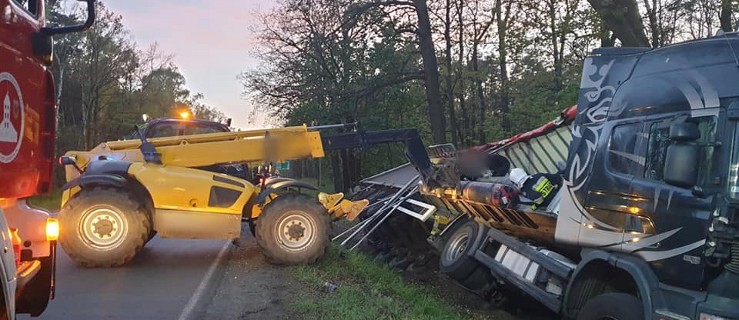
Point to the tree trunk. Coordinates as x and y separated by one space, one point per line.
725 16
448 64
555 46
431 70
623 18
654 27
465 132
482 107
502 22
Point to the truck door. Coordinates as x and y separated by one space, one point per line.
667 228
608 196
24 152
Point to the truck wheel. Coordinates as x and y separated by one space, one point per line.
293 229
455 260
612 306
103 228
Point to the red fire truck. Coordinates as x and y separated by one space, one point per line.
27 138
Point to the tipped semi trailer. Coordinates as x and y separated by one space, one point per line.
644 223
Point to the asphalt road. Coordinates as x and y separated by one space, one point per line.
162 282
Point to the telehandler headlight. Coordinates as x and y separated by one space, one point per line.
66 161
52 229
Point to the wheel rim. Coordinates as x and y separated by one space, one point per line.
296 231
103 227
456 247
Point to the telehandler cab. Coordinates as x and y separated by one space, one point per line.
121 193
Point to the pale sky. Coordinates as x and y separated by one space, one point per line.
211 41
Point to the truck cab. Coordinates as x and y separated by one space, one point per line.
27 155
646 223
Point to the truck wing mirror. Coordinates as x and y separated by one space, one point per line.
681 164
78 28
686 131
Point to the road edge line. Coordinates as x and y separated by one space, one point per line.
203 285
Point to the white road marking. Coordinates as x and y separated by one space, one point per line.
190 306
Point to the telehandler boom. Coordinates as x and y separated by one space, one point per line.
120 193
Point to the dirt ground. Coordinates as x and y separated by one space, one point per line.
251 288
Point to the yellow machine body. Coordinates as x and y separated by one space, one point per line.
193 203
264 145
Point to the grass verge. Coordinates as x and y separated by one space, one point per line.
366 290
50 202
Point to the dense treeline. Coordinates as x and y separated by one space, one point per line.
462 71
105 82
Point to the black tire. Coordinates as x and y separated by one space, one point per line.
152 234
454 258
281 230
612 306
83 231
36 294
252 227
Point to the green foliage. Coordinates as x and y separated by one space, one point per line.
366 290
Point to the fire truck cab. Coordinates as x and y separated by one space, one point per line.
27 139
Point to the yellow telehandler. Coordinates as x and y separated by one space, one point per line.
121 193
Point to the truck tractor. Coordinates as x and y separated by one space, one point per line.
645 221
121 192
27 140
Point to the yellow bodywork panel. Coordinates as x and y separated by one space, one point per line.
185 189
200 150
339 207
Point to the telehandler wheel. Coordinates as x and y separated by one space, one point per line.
293 229
455 260
152 234
103 227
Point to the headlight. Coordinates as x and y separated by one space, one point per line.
706 316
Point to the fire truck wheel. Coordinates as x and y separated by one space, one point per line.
455 260
293 229
103 227
612 306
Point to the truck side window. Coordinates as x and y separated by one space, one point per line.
707 127
29 5
621 150
656 151
659 141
